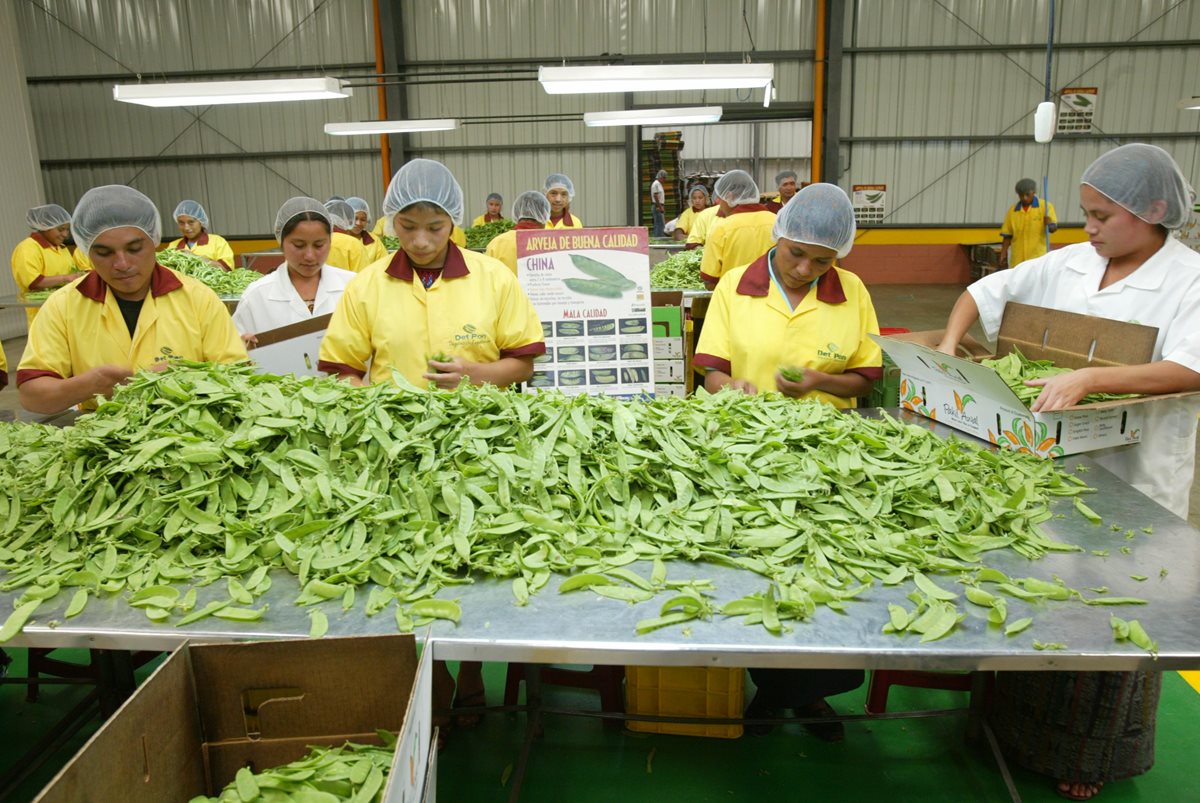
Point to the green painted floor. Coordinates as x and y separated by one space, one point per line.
580 760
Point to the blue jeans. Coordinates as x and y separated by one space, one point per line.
659 222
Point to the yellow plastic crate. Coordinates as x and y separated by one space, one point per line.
673 691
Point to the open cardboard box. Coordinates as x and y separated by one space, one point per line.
960 393
212 709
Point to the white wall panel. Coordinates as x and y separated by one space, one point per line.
19 175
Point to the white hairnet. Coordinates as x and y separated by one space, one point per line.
341 214
1136 176
699 187
736 187
531 205
785 174
43 218
819 214
113 206
191 209
359 205
428 181
559 181
293 207
494 196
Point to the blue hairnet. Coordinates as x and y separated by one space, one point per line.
531 205
294 207
43 218
340 213
113 206
736 187
191 209
559 181
359 205
1136 176
428 181
819 214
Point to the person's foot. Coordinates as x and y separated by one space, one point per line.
758 710
469 692
825 731
1078 791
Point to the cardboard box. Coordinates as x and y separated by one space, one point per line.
291 349
669 371
212 709
960 393
665 389
668 348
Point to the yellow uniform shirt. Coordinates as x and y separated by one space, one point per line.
1027 228
33 258
750 332
504 246
372 251
345 252
687 219
458 237
377 231
482 220
81 327
3 369
81 260
567 221
212 246
737 240
475 310
698 233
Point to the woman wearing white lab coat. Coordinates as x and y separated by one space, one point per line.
301 288
1084 729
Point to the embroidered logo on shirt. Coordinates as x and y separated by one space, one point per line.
470 335
831 352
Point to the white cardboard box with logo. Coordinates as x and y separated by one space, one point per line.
961 393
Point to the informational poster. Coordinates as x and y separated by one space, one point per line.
591 289
291 349
1076 108
870 203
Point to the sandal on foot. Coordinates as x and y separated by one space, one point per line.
1086 791
469 719
825 731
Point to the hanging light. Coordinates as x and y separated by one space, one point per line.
214 93
1190 103
654 78
688 115
390 126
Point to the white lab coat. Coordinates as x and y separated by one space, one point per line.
1164 292
272 301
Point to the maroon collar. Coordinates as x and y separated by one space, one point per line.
455 267
756 281
41 240
366 237
525 224
162 281
566 218
737 210
338 230
201 240
492 218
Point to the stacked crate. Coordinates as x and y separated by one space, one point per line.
660 153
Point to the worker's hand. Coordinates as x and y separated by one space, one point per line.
744 386
1061 391
250 340
1003 260
447 375
104 378
660 208
1047 221
797 389
947 346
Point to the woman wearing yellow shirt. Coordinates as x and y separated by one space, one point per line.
531 210
746 232
792 308
193 225
345 250
495 203
41 261
434 298
560 192
127 314
697 203
373 247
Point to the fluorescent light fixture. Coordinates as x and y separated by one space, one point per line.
213 93
654 78
390 127
1190 103
689 115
